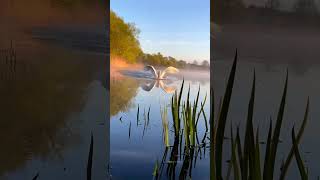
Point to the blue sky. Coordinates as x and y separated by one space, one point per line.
177 28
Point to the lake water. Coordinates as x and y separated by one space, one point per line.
270 78
136 146
271 44
53 90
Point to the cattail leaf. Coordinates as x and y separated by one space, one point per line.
223 119
286 164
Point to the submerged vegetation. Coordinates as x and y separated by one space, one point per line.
245 157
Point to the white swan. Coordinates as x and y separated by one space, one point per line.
161 74
150 84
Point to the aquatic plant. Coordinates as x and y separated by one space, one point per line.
175 109
185 147
156 170
35 177
89 164
245 160
138 116
149 115
165 126
129 129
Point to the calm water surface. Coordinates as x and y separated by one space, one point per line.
136 154
271 43
303 82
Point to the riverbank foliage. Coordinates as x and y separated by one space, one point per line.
158 59
124 41
124 44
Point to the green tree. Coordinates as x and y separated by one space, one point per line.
124 41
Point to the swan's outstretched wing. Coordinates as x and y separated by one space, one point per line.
152 69
170 69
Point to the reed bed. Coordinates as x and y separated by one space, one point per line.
186 146
245 162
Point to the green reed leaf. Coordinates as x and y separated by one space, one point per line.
286 164
223 119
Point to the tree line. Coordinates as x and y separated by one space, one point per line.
158 59
124 44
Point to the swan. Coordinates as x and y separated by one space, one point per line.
150 84
160 75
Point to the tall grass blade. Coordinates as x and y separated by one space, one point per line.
175 109
149 115
138 116
301 167
205 119
129 129
203 113
180 94
286 164
212 135
275 138
35 177
239 150
89 165
193 125
201 108
223 118
195 107
248 156
165 125
156 170
236 172
267 152
257 157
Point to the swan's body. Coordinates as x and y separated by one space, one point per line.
160 75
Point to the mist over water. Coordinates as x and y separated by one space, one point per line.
192 75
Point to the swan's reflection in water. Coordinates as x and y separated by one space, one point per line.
165 85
